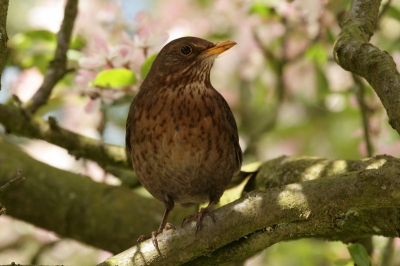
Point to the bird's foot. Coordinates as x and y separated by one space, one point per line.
199 215
154 234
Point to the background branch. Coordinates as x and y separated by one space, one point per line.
354 53
365 111
58 67
104 216
21 123
12 183
384 9
3 34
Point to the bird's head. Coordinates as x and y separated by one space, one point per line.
186 58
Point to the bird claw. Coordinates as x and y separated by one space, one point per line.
141 239
199 215
154 234
154 240
169 226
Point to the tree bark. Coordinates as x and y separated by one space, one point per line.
354 53
344 207
74 206
3 34
342 200
21 123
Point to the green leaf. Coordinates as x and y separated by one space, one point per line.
115 78
31 40
33 48
331 36
318 53
77 43
359 255
74 54
321 82
41 35
260 9
147 65
53 104
393 12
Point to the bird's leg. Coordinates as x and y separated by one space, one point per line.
164 226
199 215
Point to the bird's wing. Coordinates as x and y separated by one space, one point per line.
234 134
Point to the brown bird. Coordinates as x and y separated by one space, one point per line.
180 132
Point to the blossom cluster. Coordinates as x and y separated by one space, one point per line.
126 52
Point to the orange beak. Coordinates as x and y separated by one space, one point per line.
219 48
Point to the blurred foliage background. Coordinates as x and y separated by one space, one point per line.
288 95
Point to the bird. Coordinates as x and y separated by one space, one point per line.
181 134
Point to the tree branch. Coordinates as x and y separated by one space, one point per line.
323 228
354 200
364 110
384 9
354 53
58 67
343 207
3 34
21 123
107 217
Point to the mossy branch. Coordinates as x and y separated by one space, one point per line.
104 216
19 122
344 206
342 200
353 52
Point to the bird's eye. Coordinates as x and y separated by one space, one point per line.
186 50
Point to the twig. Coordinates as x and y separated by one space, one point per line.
12 183
58 67
388 250
278 64
360 93
382 13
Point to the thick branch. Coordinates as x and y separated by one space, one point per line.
286 170
345 207
337 207
18 122
354 53
3 34
74 206
346 230
58 67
